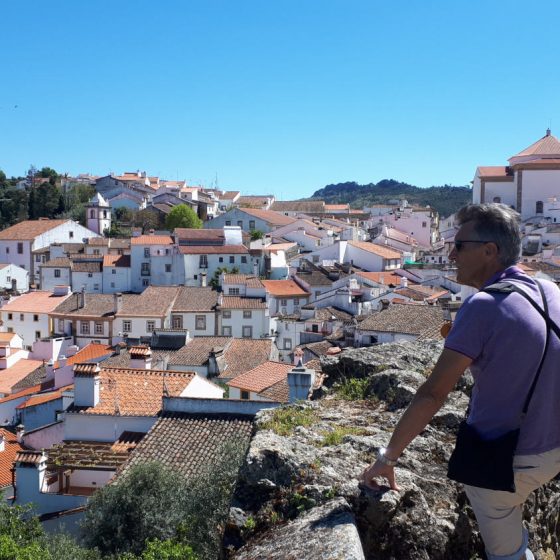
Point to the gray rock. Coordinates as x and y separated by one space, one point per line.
327 532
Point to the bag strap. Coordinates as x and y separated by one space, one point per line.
508 287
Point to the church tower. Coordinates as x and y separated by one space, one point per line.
98 214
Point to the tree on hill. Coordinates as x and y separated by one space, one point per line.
182 216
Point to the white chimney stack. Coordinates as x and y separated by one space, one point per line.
404 282
2 442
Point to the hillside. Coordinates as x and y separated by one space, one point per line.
446 199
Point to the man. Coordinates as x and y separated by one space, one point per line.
501 339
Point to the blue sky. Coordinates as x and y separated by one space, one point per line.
276 96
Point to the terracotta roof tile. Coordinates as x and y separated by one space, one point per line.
29 229
238 302
547 145
59 262
404 318
244 354
133 392
191 443
94 267
16 373
279 392
284 288
152 240
44 397
261 377
35 302
154 301
95 305
213 250
378 250
198 235
8 456
490 171
195 299
298 206
389 278
89 352
197 350
229 195
121 261
248 280
273 218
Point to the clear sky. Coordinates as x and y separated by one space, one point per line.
276 96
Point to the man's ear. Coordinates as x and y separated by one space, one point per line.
491 249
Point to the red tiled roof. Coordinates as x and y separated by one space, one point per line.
269 216
22 393
152 240
378 250
547 145
199 234
14 374
133 392
238 302
245 279
35 302
30 229
387 277
116 260
213 250
284 288
495 171
263 376
8 456
89 352
44 397
243 354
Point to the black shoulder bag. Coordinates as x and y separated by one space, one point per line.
488 463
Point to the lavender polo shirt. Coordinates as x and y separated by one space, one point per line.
505 337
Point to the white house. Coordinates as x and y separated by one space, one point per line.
285 297
195 309
530 183
13 277
18 242
244 317
116 274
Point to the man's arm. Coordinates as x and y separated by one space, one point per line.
427 401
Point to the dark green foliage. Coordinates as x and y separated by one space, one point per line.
45 201
446 199
215 281
256 234
147 503
182 216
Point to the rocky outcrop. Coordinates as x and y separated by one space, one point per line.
292 484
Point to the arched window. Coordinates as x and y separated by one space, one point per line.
539 207
92 213
104 214
497 199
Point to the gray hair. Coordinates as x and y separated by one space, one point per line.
498 223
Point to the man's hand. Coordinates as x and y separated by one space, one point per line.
379 470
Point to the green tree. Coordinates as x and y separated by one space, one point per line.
182 216
256 234
147 503
168 550
215 281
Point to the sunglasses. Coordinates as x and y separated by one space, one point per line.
460 242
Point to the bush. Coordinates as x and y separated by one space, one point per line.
285 419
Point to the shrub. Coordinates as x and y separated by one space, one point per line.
285 419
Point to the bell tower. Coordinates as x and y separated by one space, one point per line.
98 214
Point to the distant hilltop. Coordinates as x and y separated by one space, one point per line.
446 199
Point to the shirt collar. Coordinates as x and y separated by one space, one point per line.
509 272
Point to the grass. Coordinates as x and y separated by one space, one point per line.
353 389
336 436
284 420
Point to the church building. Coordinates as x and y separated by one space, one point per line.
98 213
530 183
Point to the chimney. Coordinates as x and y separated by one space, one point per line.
203 279
298 356
49 370
86 384
82 298
404 282
2 441
20 431
140 357
256 268
117 302
300 382
71 350
62 361
14 284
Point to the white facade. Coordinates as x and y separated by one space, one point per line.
98 214
198 323
13 276
30 326
196 265
51 277
245 323
116 279
135 327
155 264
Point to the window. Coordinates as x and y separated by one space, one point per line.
57 272
296 301
71 234
96 251
231 259
10 329
114 270
84 327
112 284
126 326
315 258
167 251
35 317
226 314
424 224
37 258
7 250
20 248
61 325
21 317
221 259
233 291
251 224
283 302
244 259
177 321
247 314
539 207
145 282
226 331
96 286
92 213
315 328
37 335
317 293
167 268
203 261
146 252
228 222
90 275
200 322
247 332
150 326
98 328
497 199
240 223
10 316
287 344
245 395
105 214
145 269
